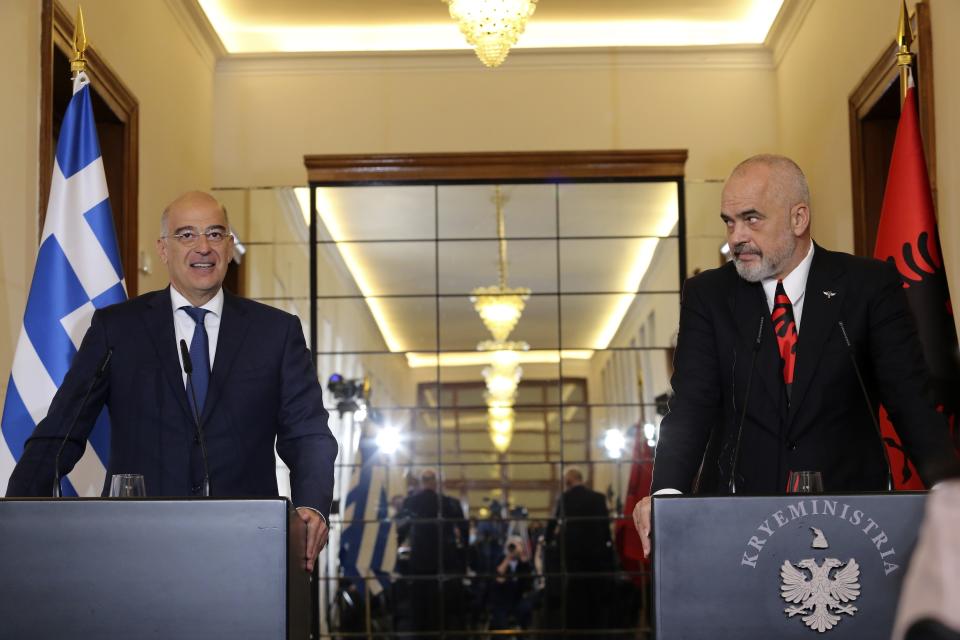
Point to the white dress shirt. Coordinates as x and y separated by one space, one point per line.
184 326
795 284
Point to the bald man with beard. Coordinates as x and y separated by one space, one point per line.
788 302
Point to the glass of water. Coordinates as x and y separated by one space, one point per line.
127 485
805 482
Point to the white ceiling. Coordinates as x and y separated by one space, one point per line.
256 26
386 237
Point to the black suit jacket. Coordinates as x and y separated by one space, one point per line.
263 388
826 426
584 529
429 538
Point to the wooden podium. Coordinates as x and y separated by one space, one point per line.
160 568
794 566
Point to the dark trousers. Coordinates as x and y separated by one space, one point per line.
587 602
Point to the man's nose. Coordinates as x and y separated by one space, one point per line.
738 233
203 244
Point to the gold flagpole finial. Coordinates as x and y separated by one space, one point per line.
904 55
79 62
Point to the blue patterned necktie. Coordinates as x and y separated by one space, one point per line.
199 356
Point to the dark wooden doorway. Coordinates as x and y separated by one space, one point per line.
116 113
874 108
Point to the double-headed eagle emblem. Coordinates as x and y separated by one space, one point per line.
820 592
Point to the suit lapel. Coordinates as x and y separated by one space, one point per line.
750 304
822 301
233 328
158 316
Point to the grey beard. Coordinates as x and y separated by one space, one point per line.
754 273
770 263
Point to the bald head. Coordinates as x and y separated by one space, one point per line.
428 479
785 182
187 201
572 477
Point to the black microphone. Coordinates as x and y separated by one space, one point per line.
866 398
101 369
743 411
188 369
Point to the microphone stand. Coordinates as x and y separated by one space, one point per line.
101 368
743 411
866 398
188 369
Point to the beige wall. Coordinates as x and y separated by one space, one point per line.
268 115
837 44
945 15
19 130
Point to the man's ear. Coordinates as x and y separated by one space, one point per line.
800 219
162 250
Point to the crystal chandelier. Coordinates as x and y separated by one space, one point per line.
491 27
501 378
500 308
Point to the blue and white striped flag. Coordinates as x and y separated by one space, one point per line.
78 270
368 545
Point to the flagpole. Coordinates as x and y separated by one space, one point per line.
79 62
904 55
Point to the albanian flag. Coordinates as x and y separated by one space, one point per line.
908 238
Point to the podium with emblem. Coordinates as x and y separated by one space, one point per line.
794 566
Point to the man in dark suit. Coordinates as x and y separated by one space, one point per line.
261 388
582 527
437 533
794 304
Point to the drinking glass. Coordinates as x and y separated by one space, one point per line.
805 482
127 485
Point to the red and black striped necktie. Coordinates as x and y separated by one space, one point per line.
785 325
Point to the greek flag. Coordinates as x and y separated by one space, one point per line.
368 545
78 270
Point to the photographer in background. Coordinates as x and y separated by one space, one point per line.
510 604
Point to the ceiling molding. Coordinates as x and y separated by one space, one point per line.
198 30
786 27
721 57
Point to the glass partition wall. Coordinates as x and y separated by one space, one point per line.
492 322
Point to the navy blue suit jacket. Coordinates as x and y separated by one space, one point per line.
263 390
826 425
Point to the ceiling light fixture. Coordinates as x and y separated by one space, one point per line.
492 26
500 308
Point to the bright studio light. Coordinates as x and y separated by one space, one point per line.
650 433
388 440
614 443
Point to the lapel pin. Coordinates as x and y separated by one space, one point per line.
829 294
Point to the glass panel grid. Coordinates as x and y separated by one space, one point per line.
588 369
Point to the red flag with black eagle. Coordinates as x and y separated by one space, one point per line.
908 238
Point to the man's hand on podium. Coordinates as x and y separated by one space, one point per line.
316 535
641 520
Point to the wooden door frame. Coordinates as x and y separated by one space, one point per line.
57 31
